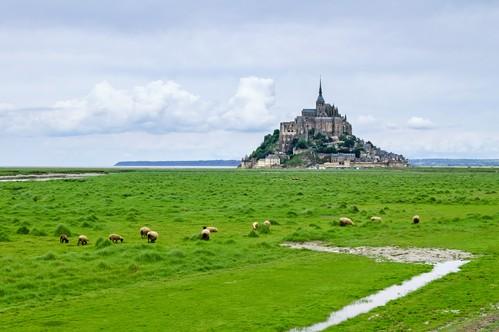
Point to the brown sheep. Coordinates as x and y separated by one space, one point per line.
115 238
416 219
377 219
143 231
205 234
63 238
152 236
344 221
212 229
83 240
255 225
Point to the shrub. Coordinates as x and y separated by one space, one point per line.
23 230
62 229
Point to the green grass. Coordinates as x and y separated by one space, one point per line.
237 280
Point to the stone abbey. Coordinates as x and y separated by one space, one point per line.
324 119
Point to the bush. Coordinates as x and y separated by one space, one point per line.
23 230
62 229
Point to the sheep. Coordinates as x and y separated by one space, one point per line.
212 229
377 219
143 231
115 238
266 223
63 238
205 234
152 236
83 240
416 219
344 221
255 225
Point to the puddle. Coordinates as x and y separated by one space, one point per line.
46 177
444 262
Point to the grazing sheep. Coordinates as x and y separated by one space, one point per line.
143 231
255 225
115 238
344 221
212 229
205 234
63 238
266 223
377 219
83 240
152 236
416 219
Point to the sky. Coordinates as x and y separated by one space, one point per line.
91 83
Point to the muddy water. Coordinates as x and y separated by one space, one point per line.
45 177
440 269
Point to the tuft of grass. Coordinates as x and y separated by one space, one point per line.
49 256
22 230
38 232
253 233
62 229
102 243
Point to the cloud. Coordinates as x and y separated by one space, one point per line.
157 107
365 119
418 123
249 108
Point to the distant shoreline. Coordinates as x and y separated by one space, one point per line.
423 162
180 163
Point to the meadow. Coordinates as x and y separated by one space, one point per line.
243 280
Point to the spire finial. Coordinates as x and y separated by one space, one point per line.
320 85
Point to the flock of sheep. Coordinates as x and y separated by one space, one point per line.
152 236
344 221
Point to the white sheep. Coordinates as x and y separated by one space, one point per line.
376 219
143 231
152 236
255 225
205 234
416 219
115 238
212 229
344 221
83 240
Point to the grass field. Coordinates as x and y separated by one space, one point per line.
239 281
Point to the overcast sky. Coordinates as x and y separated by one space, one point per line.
90 83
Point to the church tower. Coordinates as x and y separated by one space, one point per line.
320 103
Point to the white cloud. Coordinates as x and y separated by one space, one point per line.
365 119
416 122
157 107
249 108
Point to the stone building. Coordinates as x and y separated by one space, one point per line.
324 118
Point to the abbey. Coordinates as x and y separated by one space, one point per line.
324 119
